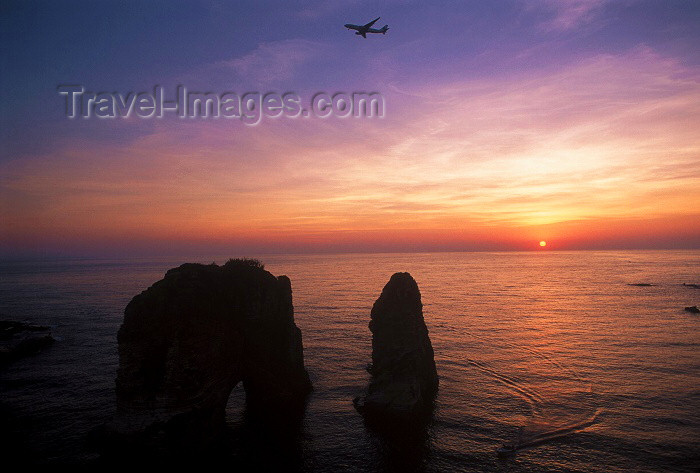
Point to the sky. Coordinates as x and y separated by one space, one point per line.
506 123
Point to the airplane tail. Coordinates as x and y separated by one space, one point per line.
384 29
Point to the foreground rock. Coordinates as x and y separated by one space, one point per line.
693 309
189 339
18 339
404 378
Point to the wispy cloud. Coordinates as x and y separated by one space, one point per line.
567 14
600 129
273 61
314 9
608 138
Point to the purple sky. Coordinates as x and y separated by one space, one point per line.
507 122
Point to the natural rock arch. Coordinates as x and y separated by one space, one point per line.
190 338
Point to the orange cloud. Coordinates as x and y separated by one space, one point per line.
584 154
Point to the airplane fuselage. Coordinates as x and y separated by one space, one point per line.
362 30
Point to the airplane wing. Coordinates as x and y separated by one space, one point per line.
369 25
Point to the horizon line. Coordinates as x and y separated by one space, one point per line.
258 254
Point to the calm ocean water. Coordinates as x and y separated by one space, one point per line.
600 375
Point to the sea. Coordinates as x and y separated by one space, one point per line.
563 353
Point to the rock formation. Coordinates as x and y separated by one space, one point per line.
692 309
18 339
190 338
404 379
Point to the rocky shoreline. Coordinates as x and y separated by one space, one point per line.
20 339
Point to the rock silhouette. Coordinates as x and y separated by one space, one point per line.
404 378
19 339
190 338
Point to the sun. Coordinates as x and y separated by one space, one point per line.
543 243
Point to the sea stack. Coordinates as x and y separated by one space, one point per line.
191 337
404 378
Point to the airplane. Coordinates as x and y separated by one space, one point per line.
362 30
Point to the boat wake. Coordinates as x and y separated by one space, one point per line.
531 435
540 355
534 399
566 409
